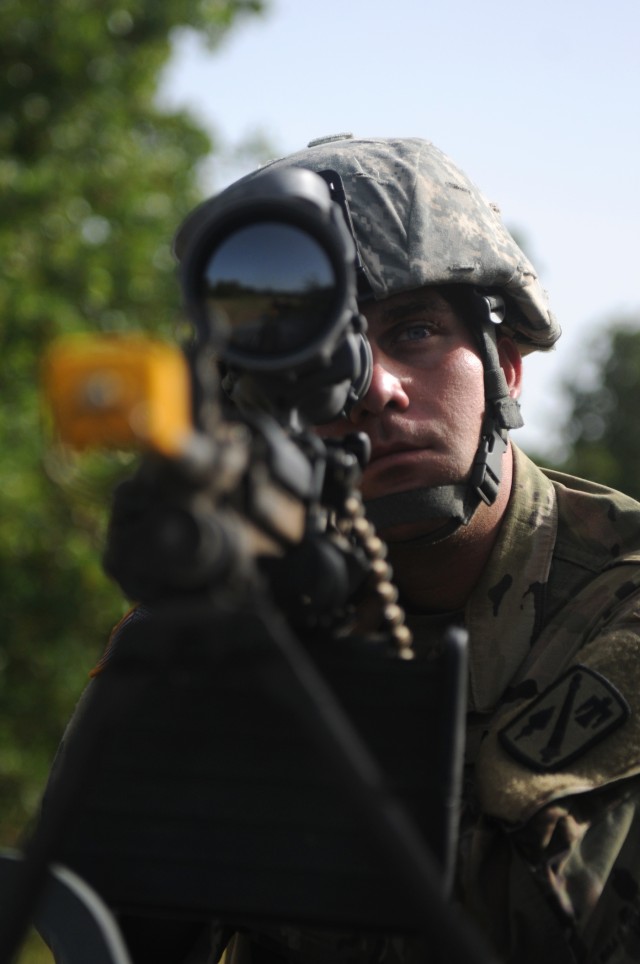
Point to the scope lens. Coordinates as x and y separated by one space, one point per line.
272 287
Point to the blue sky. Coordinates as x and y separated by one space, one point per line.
539 104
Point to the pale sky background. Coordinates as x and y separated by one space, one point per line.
538 103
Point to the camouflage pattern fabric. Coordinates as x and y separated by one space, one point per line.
418 220
549 853
549 857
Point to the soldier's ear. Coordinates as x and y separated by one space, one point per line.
511 364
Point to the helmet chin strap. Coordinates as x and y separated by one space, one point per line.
456 504
449 503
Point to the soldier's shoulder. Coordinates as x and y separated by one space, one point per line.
597 524
579 733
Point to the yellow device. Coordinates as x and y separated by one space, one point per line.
120 391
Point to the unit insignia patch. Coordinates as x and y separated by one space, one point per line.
577 711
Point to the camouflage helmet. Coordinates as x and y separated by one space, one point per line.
418 220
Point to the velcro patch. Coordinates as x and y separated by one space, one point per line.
578 710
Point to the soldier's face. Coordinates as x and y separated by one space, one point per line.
423 411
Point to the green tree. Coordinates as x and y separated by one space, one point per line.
602 431
94 179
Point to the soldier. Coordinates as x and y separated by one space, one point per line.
542 569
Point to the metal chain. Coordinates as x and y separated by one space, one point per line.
383 589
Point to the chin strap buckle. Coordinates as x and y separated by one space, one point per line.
487 467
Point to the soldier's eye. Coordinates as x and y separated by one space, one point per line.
415 332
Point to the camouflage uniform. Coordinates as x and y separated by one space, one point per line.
549 843
548 854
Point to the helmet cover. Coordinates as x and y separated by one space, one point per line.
418 220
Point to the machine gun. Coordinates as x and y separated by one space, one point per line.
260 743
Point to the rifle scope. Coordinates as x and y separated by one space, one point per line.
269 281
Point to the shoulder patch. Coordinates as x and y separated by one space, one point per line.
574 713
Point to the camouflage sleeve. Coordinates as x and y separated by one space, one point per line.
554 862
584 853
565 887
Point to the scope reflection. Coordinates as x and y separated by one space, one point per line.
272 287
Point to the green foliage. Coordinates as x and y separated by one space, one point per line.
94 180
602 434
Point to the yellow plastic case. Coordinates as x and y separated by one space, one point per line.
119 391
